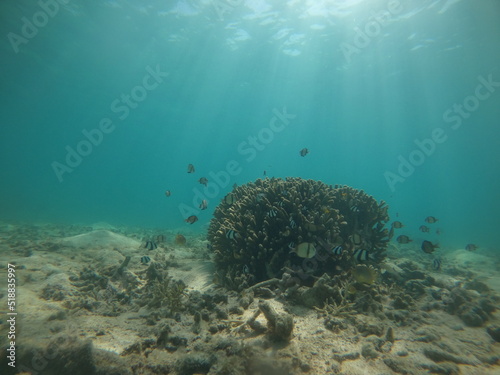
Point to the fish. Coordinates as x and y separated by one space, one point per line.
145 259
190 168
436 264
246 269
403 239
305 250
210 246
337 250
203 181
265 173
424 229
150 245
361 255
471 247
303 152
364 274
180 239
354 208
203 204
272 213
232 234
293 224
229 198
397 224
280 204
168 193
430 219
291 245
428 247
191 219
160 238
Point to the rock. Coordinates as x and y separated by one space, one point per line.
100 239
351 356
368 351
494 332
444 368
280 325
473 316
194 363
398 365
441 356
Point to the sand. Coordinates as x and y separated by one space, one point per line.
73 306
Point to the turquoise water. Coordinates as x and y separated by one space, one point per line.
104 104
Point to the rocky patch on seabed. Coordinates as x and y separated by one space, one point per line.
87 307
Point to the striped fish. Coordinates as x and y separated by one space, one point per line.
361 255
272 213
145 259
337 250
150 245
232 234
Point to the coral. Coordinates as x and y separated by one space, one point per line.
260 228
167 293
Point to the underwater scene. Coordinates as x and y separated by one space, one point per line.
249 187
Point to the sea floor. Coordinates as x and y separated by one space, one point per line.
86 304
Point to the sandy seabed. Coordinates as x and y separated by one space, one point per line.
86 304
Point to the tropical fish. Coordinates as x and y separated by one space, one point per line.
291 245
293 224
203 181
246 269
272 213
403 239
229 198
361 255
203 204
397 224
150 245
364 274
168 193
160 238
280 204
180 239
354 208
265 173
471 247
145 259
424 229
191 219
428 247
305 250
303 152
337 250
430 219
436 264
232 234
190 168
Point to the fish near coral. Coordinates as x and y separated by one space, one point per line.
180 239
428 247
191 219
364 274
